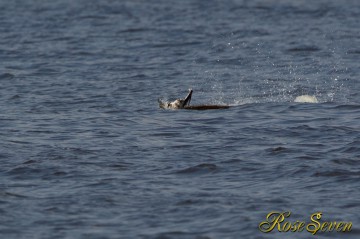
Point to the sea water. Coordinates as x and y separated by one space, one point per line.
86 152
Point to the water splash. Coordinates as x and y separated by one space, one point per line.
237 70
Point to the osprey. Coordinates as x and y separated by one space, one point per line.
185 104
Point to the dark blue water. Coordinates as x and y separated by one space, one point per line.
87 153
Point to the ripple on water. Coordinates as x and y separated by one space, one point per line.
6 76
86 153
199 169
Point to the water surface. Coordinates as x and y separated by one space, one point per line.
87 153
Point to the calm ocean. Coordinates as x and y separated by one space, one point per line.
86 152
